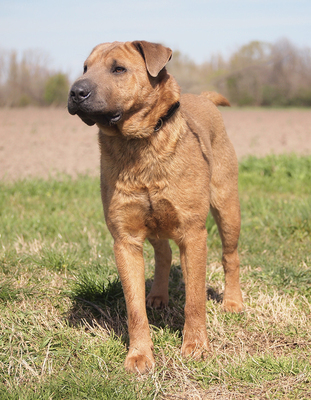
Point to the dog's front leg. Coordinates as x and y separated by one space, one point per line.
193 253
158 296
130 264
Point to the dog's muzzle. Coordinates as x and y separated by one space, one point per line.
80 91
82 101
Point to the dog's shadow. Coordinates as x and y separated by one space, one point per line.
105 306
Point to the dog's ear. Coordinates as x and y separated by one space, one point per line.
156 56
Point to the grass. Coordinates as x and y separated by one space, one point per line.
63 328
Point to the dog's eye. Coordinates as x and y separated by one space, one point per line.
84 69
119 70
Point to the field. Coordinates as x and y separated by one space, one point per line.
43 142
63 322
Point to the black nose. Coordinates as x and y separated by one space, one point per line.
80 91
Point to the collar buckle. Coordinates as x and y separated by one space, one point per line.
167 116
158 125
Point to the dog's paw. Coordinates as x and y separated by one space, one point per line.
229 305
139 362
195 349
157 301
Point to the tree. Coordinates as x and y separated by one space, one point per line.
56 89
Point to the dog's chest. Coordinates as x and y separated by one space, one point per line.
161 219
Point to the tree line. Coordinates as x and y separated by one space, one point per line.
28 80
257 74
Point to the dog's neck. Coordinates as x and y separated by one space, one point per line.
171 111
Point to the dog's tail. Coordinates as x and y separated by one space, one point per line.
216 98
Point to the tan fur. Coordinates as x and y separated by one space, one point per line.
160 185
216 98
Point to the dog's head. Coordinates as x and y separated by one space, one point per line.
121 85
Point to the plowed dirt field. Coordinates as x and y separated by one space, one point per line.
47 141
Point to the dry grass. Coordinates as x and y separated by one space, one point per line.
40 340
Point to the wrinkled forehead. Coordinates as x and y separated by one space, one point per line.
102 51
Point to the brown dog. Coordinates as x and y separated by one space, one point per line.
165 161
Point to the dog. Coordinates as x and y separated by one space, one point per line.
166 160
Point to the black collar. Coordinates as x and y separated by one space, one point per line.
167 116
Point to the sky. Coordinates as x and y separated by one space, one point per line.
67 30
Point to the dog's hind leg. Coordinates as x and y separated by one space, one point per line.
158 296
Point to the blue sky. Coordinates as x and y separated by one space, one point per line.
67 30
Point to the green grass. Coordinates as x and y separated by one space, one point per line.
63 332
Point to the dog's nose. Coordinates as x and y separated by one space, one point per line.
80 91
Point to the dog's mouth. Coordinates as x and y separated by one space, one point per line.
105 119
115 118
